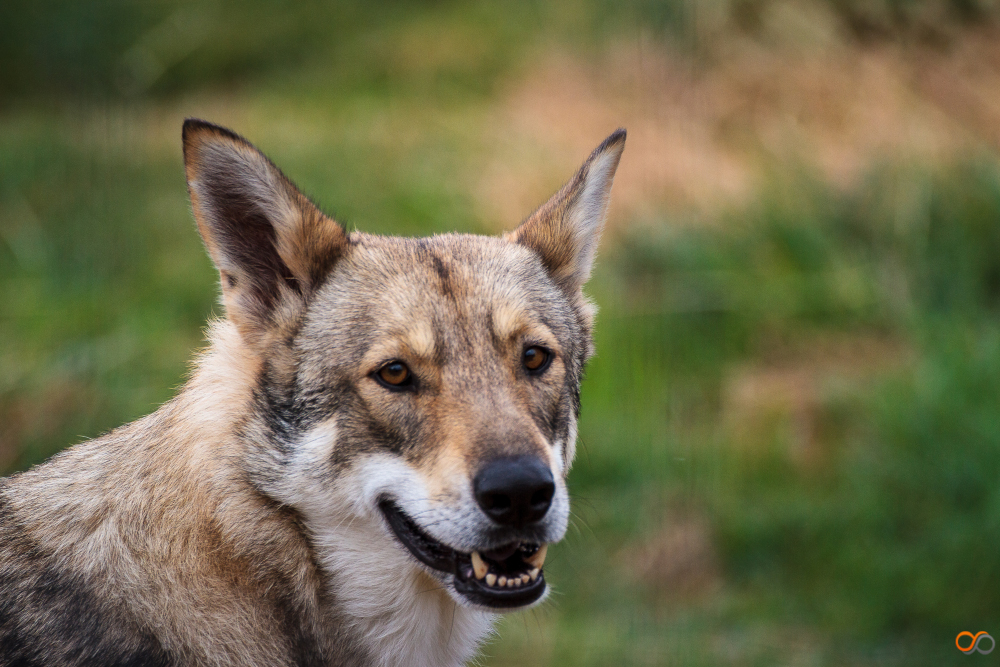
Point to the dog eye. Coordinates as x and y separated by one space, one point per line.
536 359
395 374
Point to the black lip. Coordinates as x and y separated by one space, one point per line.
425 548
443 558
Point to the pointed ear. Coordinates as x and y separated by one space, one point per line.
272 246
566 229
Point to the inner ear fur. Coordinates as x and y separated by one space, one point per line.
271 245
565 230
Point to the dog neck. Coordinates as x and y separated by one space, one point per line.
400 614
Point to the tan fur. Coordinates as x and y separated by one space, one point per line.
419 337
181 546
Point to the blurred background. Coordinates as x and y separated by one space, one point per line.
790 439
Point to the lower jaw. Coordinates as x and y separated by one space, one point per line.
480 594
530 583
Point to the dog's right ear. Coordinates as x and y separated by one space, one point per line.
564 231
272 246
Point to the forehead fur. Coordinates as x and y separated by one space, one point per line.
435 294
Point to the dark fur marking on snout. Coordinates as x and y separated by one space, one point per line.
359 431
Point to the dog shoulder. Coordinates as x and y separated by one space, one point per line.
99 567
49 616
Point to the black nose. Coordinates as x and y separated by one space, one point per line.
514 491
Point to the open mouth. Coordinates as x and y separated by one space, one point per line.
510 576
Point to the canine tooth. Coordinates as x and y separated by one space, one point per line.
491 579
502 580
478 565
538 558
533 573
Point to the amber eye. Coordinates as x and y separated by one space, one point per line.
536 359
395 374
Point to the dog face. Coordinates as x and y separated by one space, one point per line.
417 398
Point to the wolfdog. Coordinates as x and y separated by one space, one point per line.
366 464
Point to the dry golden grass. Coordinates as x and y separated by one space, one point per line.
705 130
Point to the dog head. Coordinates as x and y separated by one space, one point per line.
422 393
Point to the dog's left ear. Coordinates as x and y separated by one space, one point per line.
565 230
272 246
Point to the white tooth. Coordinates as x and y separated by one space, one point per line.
502 580
478 565
510 583
533 573
539 556
491 579
520 580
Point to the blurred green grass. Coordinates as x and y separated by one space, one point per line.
789 439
